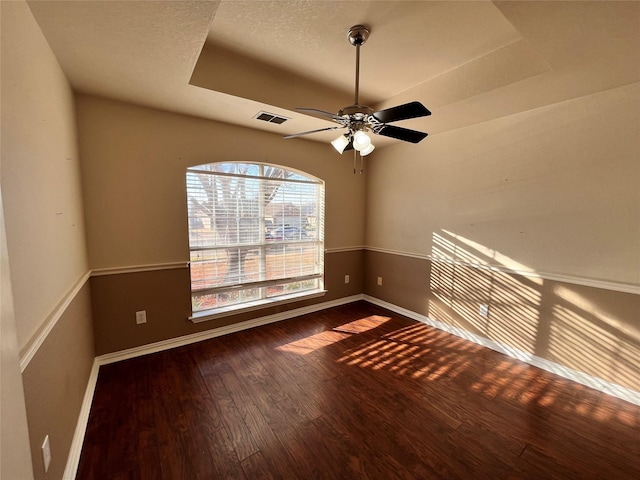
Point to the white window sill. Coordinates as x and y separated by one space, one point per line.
212 314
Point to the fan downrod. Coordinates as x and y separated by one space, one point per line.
358 34
358 118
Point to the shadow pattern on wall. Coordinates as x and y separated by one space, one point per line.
587 329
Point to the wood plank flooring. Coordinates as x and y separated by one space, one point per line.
353 392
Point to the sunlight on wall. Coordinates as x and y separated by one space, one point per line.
464 277
476 253
552 321
581 334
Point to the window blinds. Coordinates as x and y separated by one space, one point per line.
256 231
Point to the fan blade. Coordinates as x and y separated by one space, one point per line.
322 114
310 131
402 112
400 133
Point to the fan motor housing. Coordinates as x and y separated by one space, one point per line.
361 118
356 111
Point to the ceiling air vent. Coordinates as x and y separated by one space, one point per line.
270 117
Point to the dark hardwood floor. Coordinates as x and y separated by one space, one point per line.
353 392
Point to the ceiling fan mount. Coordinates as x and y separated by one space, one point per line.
360 119
358 34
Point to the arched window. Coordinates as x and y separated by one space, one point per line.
256 236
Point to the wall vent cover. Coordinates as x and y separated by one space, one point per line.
270 117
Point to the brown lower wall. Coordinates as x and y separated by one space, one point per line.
55 381
591 330
165 296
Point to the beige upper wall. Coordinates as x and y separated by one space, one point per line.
15 456
40 173
134 162
553 190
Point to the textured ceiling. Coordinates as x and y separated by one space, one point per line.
227 60
410 42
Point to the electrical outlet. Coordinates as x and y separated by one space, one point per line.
484 310
46 453
346 279
141 317
380 281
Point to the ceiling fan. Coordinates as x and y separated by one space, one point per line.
360 119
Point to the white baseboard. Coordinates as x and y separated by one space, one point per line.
609 388
81 427
217 332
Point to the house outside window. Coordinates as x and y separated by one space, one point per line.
256 235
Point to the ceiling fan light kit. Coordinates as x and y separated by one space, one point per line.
360 119
341 143
366 151
361 140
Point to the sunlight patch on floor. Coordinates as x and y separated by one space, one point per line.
325 338
313 343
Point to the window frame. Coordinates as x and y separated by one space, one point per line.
263 245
